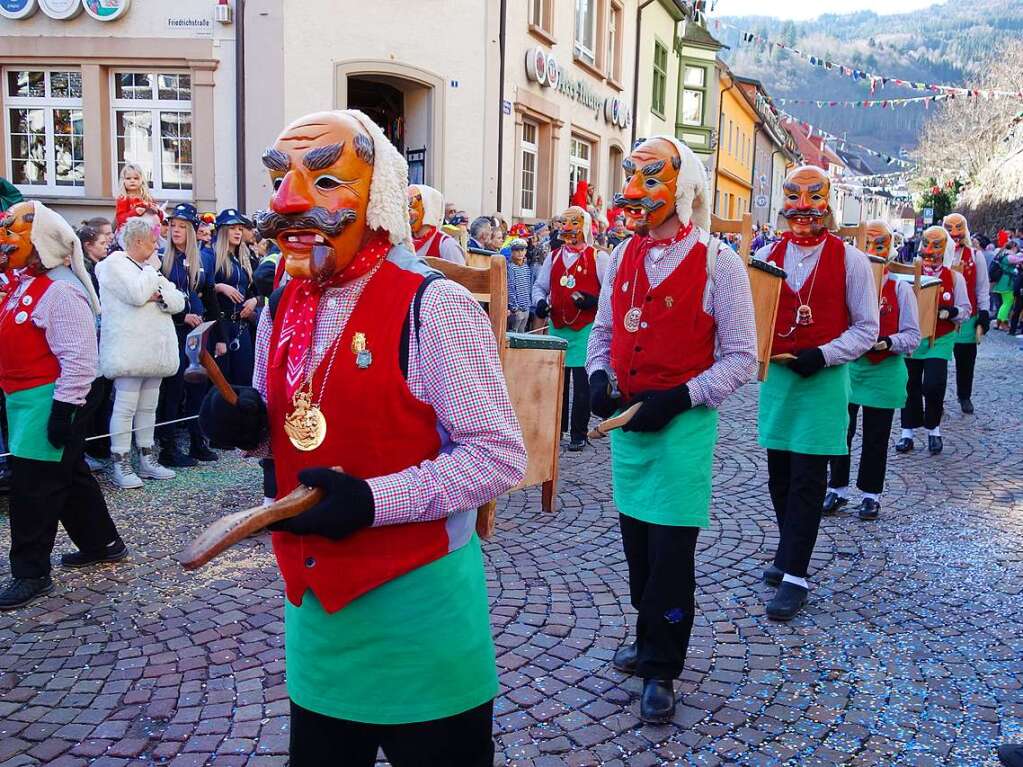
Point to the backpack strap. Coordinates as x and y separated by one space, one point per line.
417 322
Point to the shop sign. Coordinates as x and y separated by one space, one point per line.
17 9
543 69
760 201
107 10
196 25
62 10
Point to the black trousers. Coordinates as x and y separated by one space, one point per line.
463 740
877 428
925 403
44 493
966 362
99 422
580 420
797 483
662 588
179 399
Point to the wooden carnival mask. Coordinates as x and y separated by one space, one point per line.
933 243
16 247
415 209
955 225
321 168
879 239
807 206
651 185
573 230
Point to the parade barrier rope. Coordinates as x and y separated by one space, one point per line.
129 431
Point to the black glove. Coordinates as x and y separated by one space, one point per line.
947 312
542 309
601 401
585 301
347 506
884 344
808 362
244 425
984 321
58 427
659 407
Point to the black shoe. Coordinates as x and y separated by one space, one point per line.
18 592
935 445
201 452
114 552
625 658
5 480
576 445
869 509
787 602
658 702
1011 755
773 576
904 445
833 502
966 405
173 458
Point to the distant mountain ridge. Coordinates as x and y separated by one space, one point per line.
947 43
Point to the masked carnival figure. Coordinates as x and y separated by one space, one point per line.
426 216
674 333
973 266
378 382
928 366
877 384
827 317
566 291
48 364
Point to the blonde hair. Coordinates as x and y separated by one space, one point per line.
223 252
144 190
191 252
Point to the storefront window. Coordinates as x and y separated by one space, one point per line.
579 163
585 30
153 128
527 201
692 95
44 130
660 78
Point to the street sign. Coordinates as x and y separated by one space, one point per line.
760 201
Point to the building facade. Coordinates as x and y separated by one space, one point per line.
737 125
89 86
656 91
699 92
774 153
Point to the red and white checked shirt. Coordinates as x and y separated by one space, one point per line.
453 367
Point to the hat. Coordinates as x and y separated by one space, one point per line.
57 245
517 243
206 218
230 216
186 212
519 230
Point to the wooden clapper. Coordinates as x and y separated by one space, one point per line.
926 291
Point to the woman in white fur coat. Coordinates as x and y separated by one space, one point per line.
137 348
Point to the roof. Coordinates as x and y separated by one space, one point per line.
697 34
854 162
813 148
674 8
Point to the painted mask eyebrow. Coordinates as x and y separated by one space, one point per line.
323 156
275 159
653 168
628 165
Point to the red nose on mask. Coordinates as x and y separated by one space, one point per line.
286 200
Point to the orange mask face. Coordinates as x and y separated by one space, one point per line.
321 168
955 225
651 183
879 240
415 210
806 204
932 246
573 232
16 247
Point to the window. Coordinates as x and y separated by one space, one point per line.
44 123
153 128
615 177
692 107
578 162
540 15
527 201
729 135
586 30
660 78
614 51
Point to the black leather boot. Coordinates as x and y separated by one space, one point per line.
658 702
904 445
935 445
18 592
833 502
172 457
199 450
625 658
787 602
773 575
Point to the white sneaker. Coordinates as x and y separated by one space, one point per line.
122 474
96 464
150 468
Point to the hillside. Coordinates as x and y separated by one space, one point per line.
947 43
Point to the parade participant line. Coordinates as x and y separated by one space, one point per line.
128 431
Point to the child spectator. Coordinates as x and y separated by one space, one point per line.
134 198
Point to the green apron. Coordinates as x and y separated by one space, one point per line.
664 477
28 412
940 349
415 649
882 385
967 332
577 340
805 415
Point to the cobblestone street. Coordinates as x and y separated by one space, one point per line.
909 653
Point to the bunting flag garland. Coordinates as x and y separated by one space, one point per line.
869 103
873 79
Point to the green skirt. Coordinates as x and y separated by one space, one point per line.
664 477
805 415
882 385
940 349
28 412
967 332
577 340
415 649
